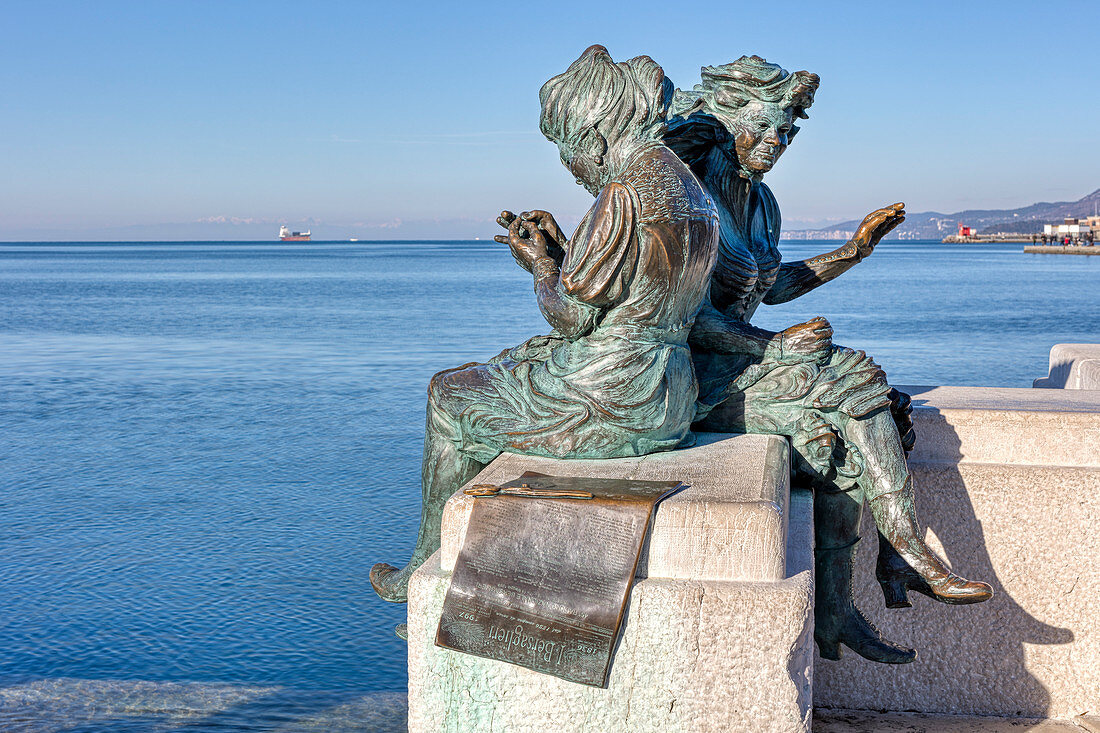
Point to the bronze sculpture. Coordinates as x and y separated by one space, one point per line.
679 250
850 431
615 376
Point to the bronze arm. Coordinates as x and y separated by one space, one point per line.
798 278
717 333
795 279
568 316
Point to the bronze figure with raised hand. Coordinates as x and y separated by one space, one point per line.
614 378
849 430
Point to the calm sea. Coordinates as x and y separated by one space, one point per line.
204 447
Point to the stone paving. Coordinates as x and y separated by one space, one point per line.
65 705
861 721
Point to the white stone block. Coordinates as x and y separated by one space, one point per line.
1008 485
1088 374
1004 425
1072 366
710 653
728 525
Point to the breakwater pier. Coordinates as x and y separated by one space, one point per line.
1059 249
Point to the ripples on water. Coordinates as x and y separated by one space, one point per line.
206 446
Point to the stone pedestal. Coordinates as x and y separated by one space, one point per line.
718 631
1008 486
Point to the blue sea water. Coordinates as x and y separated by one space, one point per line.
205 446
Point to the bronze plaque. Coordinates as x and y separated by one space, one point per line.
542 577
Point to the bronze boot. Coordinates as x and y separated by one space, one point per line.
888 566
390 583
915 567
838 621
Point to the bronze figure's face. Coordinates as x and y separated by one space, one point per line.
759 133
584 163
752 106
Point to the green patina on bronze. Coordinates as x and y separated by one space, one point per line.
614 377
650 302
849 430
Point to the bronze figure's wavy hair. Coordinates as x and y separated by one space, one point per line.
750 77
595 92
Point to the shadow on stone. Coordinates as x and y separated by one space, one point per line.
973 660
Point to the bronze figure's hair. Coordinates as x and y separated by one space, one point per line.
751 77
595 92
748 78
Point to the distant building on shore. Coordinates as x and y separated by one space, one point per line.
817 234
1074 228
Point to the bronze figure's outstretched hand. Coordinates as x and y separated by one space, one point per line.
795 279
809 341
875 226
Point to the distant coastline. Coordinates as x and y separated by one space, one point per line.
935 225
796 236
927 225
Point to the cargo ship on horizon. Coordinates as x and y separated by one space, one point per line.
285 235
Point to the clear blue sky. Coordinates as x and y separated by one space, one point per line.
365 114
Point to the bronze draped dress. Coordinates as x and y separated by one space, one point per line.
622 384
804 401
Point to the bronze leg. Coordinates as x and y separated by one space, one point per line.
837 514
443 471
837 619
889 487
889 561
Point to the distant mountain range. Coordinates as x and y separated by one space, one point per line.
934 225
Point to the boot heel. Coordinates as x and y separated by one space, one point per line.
895 593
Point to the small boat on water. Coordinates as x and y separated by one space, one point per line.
285 235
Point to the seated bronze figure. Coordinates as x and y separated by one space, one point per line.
849 430
614 377
649 303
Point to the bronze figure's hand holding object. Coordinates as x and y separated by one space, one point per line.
527 242
545 222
